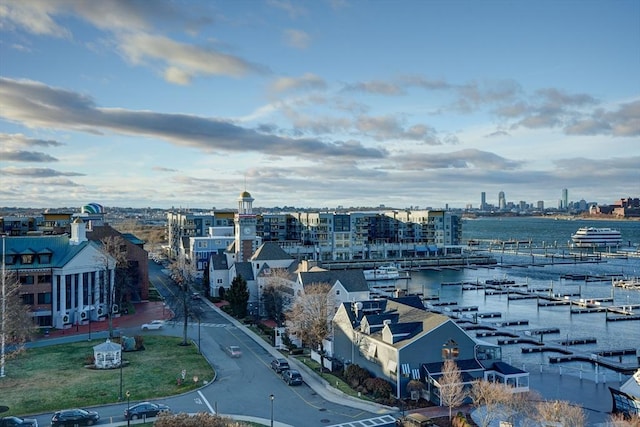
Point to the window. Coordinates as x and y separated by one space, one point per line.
27 259
27 299
45 278
44 258
27 280
450 350
44 298
337 291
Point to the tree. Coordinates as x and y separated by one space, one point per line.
310 317
452 392
494 397
238 296
276 295
561 412
112 258
17 325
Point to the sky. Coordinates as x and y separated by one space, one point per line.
318 104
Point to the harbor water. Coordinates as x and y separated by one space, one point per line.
556 234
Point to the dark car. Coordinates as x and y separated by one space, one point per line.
292 377
73 417
279 365
144 410
18 422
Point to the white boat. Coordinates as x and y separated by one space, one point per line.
596 237
384 272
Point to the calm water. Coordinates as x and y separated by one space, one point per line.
609 335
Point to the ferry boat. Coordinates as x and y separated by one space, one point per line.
384 272
596 237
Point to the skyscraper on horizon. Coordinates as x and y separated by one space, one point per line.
565 199
483 201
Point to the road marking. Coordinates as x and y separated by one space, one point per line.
206 402
198 400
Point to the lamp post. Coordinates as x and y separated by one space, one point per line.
128 408
271 396
121 375
199 350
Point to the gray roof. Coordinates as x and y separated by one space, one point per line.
219 261
352 280
270 251
245 270
58 246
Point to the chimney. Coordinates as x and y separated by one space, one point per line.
78 232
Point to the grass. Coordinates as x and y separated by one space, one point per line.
54 377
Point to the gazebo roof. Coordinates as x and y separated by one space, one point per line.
107 346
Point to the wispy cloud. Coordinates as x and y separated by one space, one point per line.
34 104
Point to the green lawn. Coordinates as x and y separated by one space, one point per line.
51 378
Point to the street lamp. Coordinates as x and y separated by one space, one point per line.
128 409
121 374
271 396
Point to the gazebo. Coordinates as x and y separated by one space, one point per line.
107 355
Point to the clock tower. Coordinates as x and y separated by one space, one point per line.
245 228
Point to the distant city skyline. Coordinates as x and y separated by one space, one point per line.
318 104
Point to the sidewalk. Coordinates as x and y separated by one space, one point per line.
145 311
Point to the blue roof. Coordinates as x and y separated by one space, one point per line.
57 246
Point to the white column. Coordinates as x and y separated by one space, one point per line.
80 304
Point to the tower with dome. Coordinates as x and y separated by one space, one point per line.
245 228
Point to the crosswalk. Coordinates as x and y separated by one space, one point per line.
383 421
212 325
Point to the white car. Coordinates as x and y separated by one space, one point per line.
154 324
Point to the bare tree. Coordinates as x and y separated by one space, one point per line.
17 325
622 420
277 294
112 258
562 412
310 317
452 392
494 398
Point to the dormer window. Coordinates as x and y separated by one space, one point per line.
26 259
450 350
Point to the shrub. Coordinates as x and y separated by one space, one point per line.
355 375
460 420
378 387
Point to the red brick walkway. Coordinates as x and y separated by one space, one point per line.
145 311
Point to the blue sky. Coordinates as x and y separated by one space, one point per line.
318 103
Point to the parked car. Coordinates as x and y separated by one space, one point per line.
414 420
154 324
232 350
279 365
74 417
292 377
145 410
18 422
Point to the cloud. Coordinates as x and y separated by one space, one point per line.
375 87
181 61
497 134
34 104
33 17
36 172
20 140
307 81
297 38
293 9
462 159
26 156
163 169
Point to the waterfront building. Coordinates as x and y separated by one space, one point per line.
564 202
483 201
502 201
398 340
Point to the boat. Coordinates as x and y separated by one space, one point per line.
383 272
596 237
